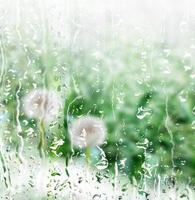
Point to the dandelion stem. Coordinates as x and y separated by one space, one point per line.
42 142
88 155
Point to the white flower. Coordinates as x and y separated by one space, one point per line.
42 104
87 131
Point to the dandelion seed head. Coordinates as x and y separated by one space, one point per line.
42 104
87 131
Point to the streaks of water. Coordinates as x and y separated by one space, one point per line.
3 63
113 96
103 162
116 173
167 120
18 126
146 174
4 168
6 172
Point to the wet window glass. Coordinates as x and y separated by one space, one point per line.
97 100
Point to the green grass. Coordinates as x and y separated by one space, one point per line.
113 83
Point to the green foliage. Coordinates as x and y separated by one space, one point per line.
114 86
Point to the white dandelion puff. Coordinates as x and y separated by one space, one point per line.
42 104
87 131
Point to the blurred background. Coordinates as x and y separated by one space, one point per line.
129 62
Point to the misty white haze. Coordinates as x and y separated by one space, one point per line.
73 21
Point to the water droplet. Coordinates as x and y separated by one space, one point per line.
103 162
143 112
183 96
193 110
187 68
193 124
